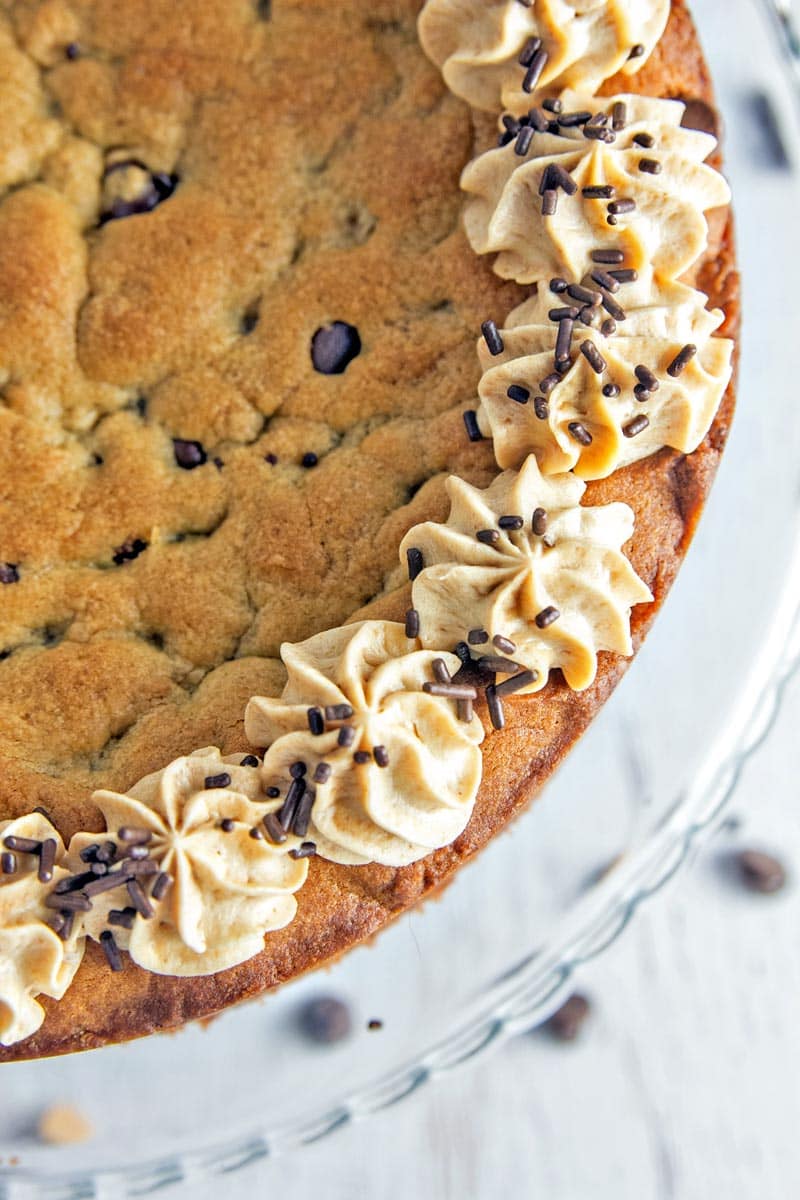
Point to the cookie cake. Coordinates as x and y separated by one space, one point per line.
357 408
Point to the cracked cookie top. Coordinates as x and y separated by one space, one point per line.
235 334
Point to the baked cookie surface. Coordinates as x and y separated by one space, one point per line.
182 489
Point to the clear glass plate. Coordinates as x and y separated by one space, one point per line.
497 952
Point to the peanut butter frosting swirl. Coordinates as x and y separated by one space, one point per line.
653 379
496 54
522 569
394 769
34 959
649 189
221 889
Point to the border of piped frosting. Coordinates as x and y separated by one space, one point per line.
211 843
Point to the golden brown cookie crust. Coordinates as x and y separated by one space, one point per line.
310 190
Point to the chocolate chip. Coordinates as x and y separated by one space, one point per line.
309 459
161 186
72 51
9 572
271 459
188 454
760 872
334 346
249 318
566 1023
325 1019
128 551
374 1024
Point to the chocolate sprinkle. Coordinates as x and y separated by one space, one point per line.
650 166
415 562
249 760
608 256
547 616
303 817
539 521
322 772
511 522
489 537
272 793
47 859
564 341
558 285
529 50
523 143
477 637
520 394
628 275
645 140
133 836
462 652
619 207
635 426
22 845
601 191
549 202
646 377
504 644
540 408
549 382
412 623
563 314
347 735
493 664
491 335
139 899
111 949
8 862
123 917
381 756
516 683
298 769
227 825
493 703
316 722
532 75
681 361
605 280
222 780
471 425
612 307
636 51
610 390
450 691
593 357
306 850
619 115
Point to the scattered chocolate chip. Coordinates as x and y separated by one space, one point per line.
698 114
72 51
272 793
128 551
227 825
9 572
249 318
567 1022
381 756
761 872
271 459
309 459
188 455
334 346
325 1019
158 189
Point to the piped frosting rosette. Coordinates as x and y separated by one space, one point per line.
392 766
495 55
625 388
523 571
40 948
617 173
188 889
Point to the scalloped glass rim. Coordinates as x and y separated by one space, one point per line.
528 986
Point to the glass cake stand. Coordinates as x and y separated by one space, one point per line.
498 952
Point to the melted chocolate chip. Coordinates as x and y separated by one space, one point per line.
160 188
128 551
188 454
334 346
9 572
